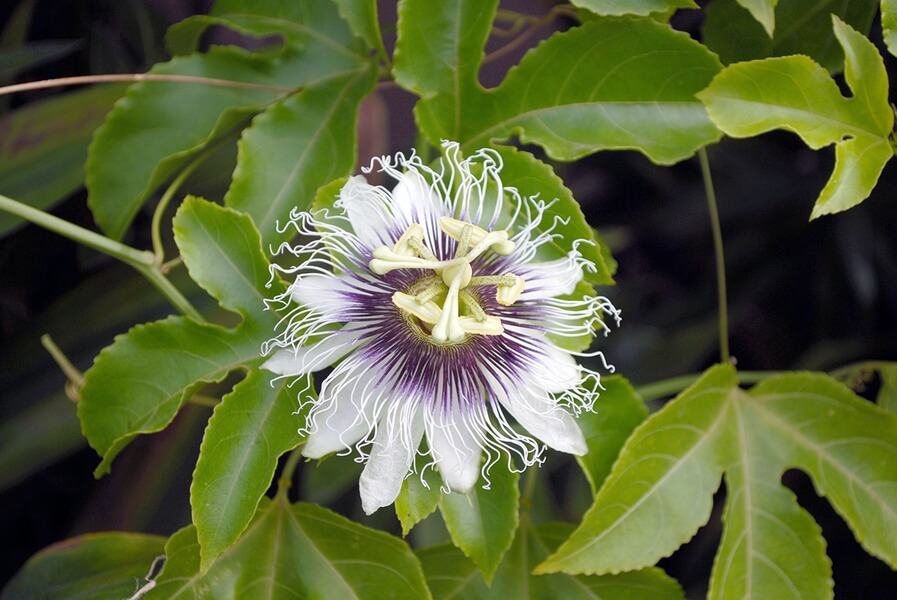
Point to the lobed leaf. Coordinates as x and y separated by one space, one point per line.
672 460
770 545
250 429
482 523
96 566
801 28
123 394
636 92
289 551
796 94
159 126
361 15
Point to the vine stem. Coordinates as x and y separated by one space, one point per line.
135 77
286 476
719 257
142 261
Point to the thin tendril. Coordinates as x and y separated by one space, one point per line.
135 77
719 257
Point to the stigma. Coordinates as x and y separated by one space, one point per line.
444 303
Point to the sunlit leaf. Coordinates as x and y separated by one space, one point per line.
659 491
249 430
482 523
417 501
889 24
764 11
98 566
361 15
632 7
796 94
802 27
294 551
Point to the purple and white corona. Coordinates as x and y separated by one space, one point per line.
439 319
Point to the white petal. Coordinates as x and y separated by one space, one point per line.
368 214
555 372
343 413
549 279
456 452
395 446
414 200
315 356
549 423
321 293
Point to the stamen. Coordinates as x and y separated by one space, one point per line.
497 239
508 294
407 244
428 312
472 306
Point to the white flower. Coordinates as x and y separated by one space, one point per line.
437 317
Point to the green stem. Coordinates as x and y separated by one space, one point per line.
286 476
156 230
674 385
143 261
69 370
719 257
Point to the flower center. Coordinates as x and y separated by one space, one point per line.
445 302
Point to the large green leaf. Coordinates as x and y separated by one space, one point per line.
298 551
138 384
295 147
249 430
482 523
159 126
889 24
632 7
659 491
98 566
43 146
624 97
451 576
802 27
796 94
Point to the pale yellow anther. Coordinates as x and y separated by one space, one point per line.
428 312
401 247
489 326
508 294
497 240
386 260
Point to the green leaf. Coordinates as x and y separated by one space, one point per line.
249 430
294 551
763 11
801 28
632 7
887 396
482 523
224 255
796 94
671 465
138 384
361 15
618 412
97 566
44 146
159 126
889 24
623 97
450 575
533 177
659 491
295 147
417 501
